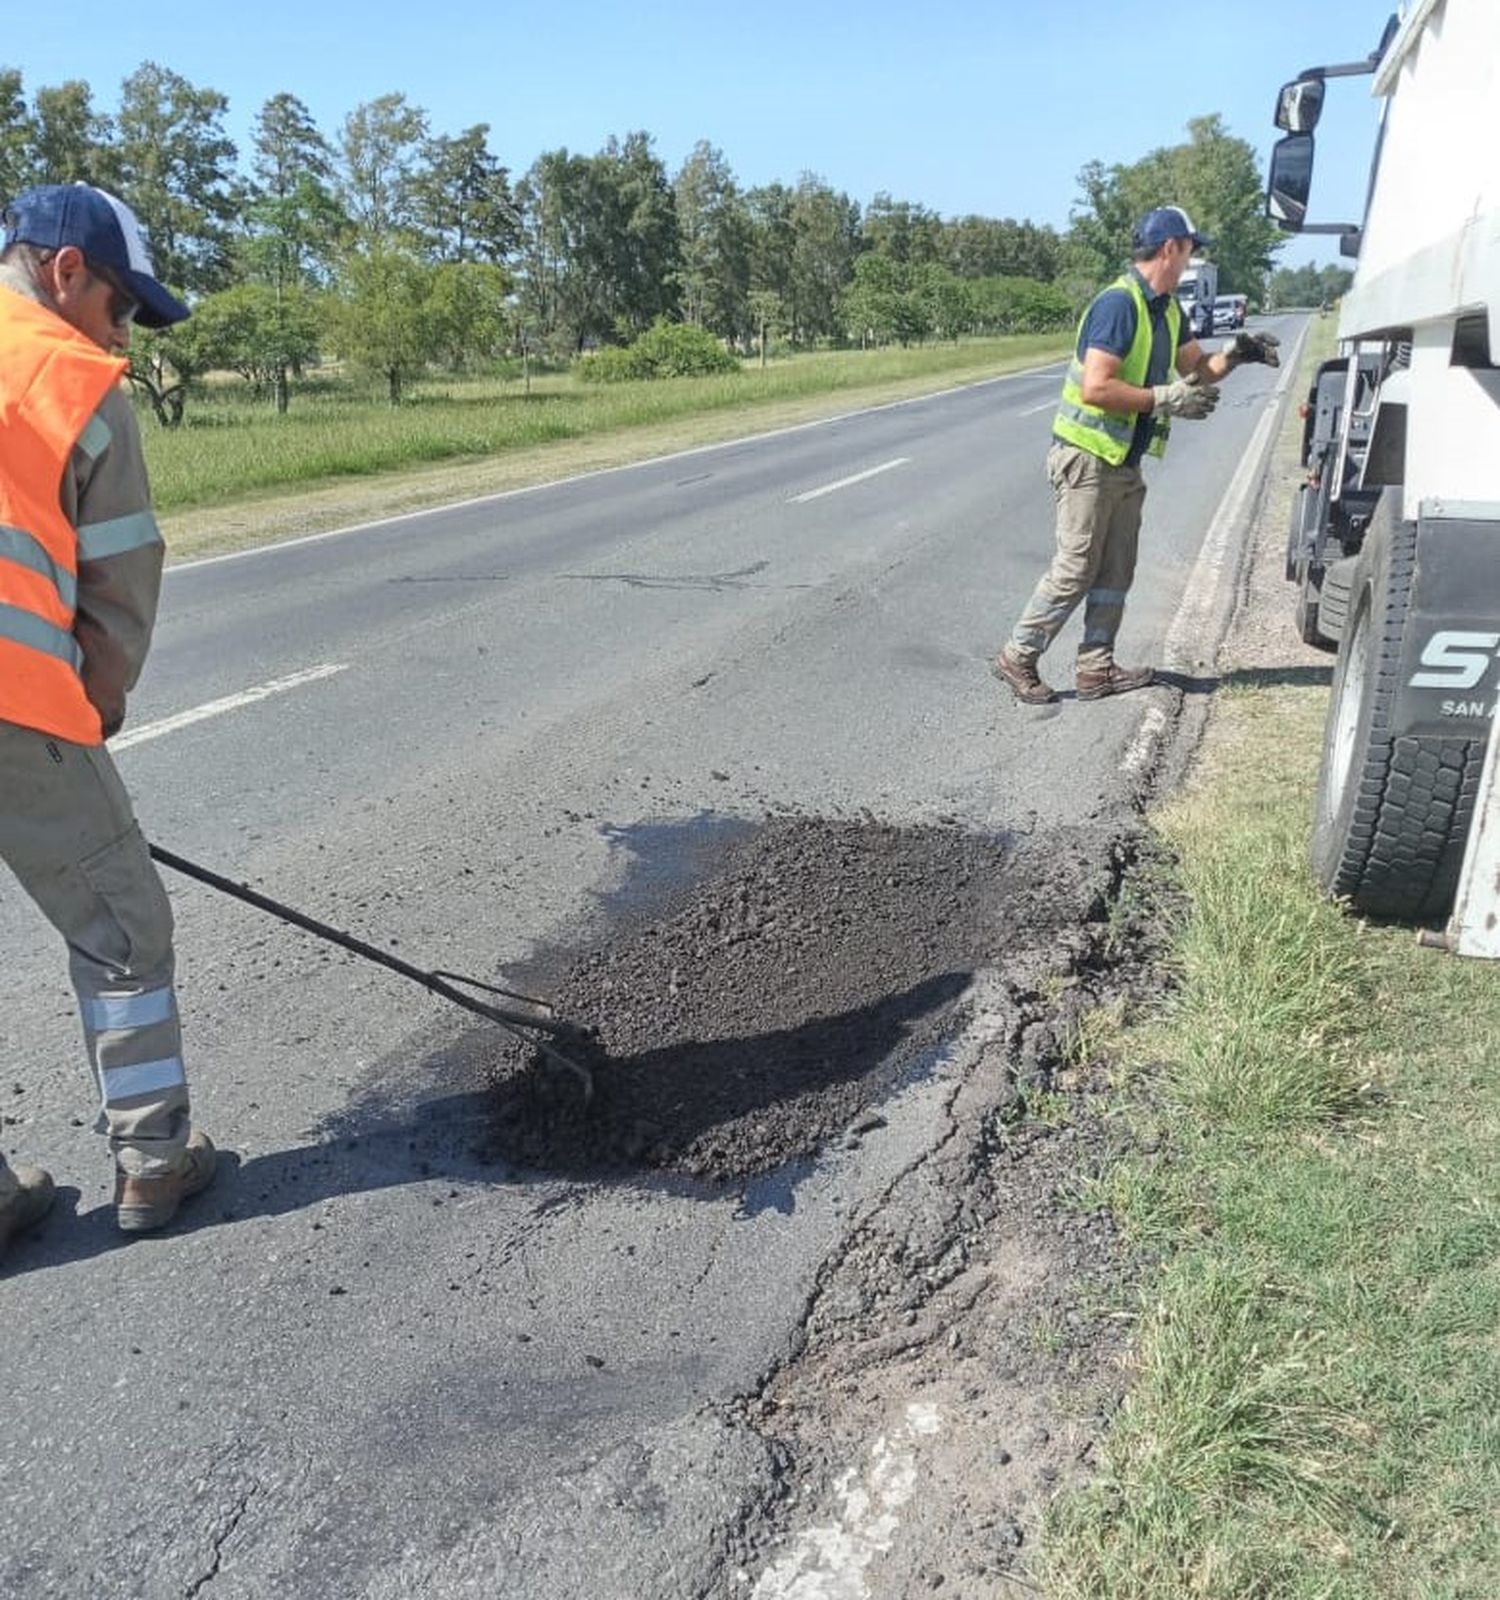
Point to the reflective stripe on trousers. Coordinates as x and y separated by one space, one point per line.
68 832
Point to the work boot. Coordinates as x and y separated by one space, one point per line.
144 1204
25 1205
1111 680
1022 678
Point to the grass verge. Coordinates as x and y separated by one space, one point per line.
237 475
1315 1405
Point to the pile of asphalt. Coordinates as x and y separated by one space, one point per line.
776 1000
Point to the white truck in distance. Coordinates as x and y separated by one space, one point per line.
1395 537
1196 293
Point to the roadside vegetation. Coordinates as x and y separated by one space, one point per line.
1314 1401
232 447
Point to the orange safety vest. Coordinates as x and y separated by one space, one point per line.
52 379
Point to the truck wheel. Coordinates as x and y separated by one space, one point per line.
1392 811
1333 598
1310 580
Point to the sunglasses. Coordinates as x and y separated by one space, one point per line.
122 304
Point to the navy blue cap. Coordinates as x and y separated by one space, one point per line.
105 230
1167 222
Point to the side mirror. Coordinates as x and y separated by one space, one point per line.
1290 181
1299 105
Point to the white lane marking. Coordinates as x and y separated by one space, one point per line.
604 472
230 702
1031 411
832 1561
843 483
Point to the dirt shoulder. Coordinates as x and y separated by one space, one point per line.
964 1357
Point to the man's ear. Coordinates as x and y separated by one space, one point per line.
69 271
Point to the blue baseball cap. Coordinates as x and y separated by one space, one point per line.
105 229
1167 222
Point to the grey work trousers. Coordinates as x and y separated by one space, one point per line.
1098 529
68 832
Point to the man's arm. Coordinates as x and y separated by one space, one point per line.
1103 387
1194 361
120 555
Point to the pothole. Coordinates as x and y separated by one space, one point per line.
817 966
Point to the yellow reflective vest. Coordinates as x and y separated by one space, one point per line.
1108 434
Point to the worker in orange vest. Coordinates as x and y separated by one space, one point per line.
80 572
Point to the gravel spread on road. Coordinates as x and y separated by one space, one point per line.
777 999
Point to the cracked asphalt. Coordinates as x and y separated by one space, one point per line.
385 1356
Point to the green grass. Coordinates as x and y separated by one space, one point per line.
230 447
1315 1406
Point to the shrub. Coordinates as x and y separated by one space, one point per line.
665 350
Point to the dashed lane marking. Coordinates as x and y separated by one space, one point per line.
844 483
230 702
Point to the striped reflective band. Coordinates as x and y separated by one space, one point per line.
1107 597
25 627
98 540
1117 427
94 440
146 1077
128 1011
26 552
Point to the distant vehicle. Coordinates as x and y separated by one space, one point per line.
1195 294
1229 312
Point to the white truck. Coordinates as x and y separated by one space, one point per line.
1395 537
1196 292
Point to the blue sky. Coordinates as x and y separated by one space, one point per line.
988 106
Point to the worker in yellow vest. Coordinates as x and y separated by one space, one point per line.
80 572
1132 372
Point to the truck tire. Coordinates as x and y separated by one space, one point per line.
1310 580
1392 812
1333 598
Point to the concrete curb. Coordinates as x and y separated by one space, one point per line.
1208 603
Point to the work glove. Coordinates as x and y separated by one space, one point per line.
1189 397
1253 347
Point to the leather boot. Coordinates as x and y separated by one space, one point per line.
1111 680
144 1204
1022 679
24 1205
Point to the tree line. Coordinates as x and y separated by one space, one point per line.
396 246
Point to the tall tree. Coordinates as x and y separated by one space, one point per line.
16 136
826 239
987 247
462 201
714 232
600 258
176 170
553 292
293 225
1213 175
902 230
71 141
640 246
773 238
380 147
294 221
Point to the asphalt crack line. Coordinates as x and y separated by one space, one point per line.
220 1539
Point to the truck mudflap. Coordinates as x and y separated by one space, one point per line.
1414 690
1449 675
